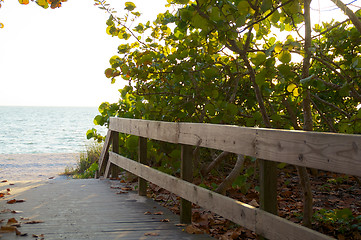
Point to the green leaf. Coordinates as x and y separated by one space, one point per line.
285 57
175 154
243 7
110 22
123 48
199 22
132 142
181 1
43 3
258 58
266 5
291 87
281 165
261 76
278 48
99 120
210 109
356 63
345 214
344 90
232 109
185 14
275 17
293 7
129 6
90 133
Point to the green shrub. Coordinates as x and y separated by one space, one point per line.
343 219
88 162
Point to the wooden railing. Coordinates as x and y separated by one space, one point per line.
326 151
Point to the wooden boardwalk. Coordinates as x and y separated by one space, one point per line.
86 209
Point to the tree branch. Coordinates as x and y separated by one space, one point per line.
232 176
354 19
214 163
331 105
330 125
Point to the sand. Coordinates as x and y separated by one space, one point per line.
19 167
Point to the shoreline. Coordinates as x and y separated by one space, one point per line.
35 166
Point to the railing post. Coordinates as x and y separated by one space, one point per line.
142 158
115 148
268 186
187 175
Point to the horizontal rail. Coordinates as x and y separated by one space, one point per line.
326 151
259 221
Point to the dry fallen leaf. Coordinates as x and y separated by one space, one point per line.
15 201
18 233
13 222
7 228
126 188
41 236
254 203
181 224
151 234
158 213
4 180
165 220
147 213
15 212
121 192
193 230
34 222
2 195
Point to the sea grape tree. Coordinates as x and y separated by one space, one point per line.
220 62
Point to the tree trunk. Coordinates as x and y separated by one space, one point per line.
308 121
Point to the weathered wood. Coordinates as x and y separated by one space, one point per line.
268 186
115 147
89 209
187 175
273 227
326 151
266 224
142 158
107 169
104 153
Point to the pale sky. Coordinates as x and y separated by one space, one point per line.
58 57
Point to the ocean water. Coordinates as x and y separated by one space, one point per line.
45 129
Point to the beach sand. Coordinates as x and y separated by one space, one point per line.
19 167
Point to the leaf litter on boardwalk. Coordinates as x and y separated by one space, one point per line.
12 226
13 201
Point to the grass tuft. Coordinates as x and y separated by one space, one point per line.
88 162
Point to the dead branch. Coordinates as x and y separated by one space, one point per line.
214 163
238 167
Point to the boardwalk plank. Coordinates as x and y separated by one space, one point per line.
88 209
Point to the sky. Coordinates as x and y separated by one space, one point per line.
58 57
